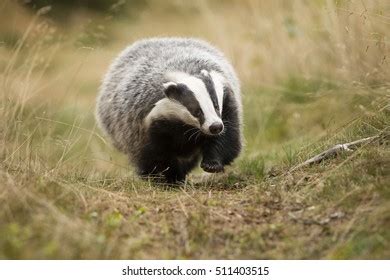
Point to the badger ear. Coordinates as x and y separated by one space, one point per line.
205 73
171 90
169 84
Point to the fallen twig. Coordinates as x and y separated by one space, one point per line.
334 151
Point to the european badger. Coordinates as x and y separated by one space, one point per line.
169 103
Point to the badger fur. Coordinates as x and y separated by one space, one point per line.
170 103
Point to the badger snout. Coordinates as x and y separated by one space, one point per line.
216 128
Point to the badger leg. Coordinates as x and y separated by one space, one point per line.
174 173
164 168
166 154
160 168
222 150
178 169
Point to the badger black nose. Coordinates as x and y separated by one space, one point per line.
216 128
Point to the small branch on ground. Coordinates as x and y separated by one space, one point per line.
334 151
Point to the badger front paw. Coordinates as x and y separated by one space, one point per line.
212 166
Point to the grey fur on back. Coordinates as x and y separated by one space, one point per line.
134 83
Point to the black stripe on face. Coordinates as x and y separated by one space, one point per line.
207 80
182 94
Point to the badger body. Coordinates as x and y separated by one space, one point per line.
169 103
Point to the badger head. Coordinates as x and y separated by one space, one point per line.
200 98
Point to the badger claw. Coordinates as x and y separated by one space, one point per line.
212 166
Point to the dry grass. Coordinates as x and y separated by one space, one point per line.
314 74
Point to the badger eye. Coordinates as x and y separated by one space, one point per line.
198 112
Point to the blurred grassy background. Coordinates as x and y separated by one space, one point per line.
313 74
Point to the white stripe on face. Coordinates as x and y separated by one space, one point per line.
218 85
171 110
200 92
